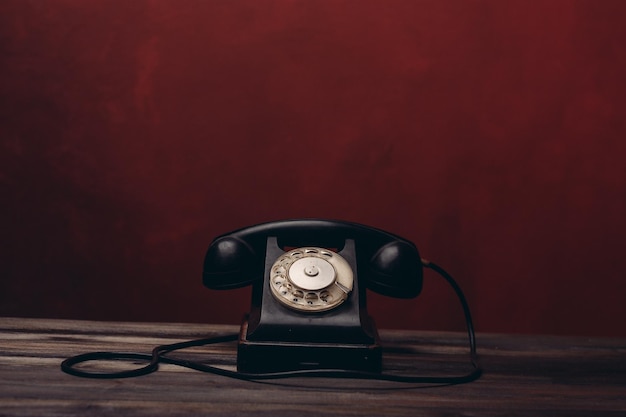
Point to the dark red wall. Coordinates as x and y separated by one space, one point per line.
491 133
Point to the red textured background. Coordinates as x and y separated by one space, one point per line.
491 133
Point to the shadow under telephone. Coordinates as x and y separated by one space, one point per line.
308 315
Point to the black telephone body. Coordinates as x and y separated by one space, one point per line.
309 280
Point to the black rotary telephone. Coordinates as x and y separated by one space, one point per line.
308 302
308 315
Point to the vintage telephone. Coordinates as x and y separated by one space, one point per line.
308 302
308 314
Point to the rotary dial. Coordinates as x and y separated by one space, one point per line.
311 279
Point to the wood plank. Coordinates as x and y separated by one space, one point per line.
524 375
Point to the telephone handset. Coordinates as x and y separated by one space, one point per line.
308 315
308 300
235 259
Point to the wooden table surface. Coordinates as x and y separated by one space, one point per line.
523 376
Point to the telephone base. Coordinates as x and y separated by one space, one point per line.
278 356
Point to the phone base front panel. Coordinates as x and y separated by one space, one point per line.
278 356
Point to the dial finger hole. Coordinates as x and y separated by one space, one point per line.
326 296
280 270
285 289
311 297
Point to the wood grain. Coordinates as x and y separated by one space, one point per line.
524 375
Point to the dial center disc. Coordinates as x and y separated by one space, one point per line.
312 273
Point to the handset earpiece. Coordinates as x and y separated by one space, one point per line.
229 263
396 270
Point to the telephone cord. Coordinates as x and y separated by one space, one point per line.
159 353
